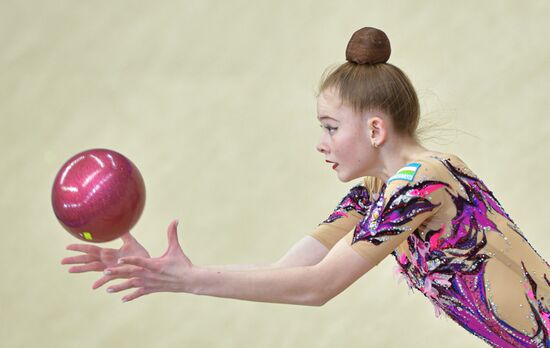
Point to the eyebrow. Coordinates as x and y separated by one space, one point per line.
320 118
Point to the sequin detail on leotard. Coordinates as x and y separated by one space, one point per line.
450 270
383 220
357 199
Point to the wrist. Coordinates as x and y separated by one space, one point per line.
194 279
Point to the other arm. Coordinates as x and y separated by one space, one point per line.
310 250
307 285
307 251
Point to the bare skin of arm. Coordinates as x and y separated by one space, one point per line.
305 284
306 252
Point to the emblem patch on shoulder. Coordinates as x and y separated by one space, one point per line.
406 173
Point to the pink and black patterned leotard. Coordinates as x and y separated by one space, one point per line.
454 242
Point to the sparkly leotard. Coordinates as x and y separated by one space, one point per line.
454 242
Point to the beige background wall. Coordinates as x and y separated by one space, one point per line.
214 101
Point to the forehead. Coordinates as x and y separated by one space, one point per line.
330 105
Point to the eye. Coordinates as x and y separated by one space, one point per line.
329 129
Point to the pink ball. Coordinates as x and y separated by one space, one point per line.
98 195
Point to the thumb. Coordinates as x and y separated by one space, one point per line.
126 237
173 241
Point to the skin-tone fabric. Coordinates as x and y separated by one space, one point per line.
453 242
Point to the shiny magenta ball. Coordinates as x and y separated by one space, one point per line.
98 195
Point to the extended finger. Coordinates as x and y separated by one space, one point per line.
86 258
89 267
125 271
138 293
107 278
146 263
129 284
173 242
85 248
101 281
126 237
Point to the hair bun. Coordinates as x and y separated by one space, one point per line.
368 46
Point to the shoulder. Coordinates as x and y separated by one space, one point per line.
423 178
367 189
357 198
423 169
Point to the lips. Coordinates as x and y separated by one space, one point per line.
334 164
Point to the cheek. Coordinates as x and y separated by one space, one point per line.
362 153
352 146
359 144
345 148
351 152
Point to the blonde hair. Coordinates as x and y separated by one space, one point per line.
367 82
379 86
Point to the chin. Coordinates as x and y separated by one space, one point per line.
347 178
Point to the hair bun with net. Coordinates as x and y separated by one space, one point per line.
368 46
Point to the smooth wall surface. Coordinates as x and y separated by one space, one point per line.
215 103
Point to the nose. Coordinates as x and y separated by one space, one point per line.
321 146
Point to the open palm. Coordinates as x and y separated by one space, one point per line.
96 259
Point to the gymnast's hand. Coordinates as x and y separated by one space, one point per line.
98 259
148 275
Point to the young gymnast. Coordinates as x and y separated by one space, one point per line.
449 235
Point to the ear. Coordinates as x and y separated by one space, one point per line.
378 130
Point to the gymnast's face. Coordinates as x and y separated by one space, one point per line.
345 141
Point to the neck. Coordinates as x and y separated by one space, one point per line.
396 154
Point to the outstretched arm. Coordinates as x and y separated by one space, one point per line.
174 272
306 285
385 227
306 252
